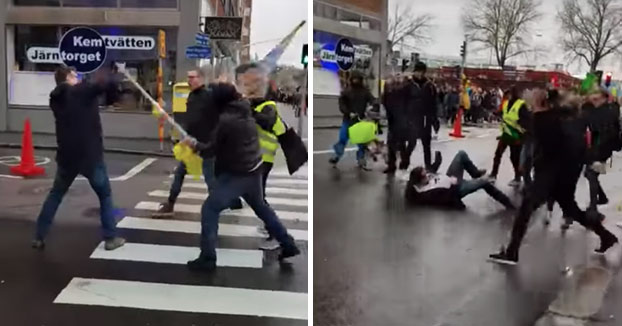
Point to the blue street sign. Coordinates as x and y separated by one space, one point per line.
198 52
202 39
82 48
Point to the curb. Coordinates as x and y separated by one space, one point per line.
106 150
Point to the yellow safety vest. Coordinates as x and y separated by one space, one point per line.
510 124
268 140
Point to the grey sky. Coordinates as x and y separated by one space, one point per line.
273 19
448 34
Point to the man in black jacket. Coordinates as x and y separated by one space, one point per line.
394 104
558 161
427 187
235 148
80 151
421 110
201 119
353 103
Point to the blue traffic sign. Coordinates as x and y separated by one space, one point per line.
82 48
202 39
198 52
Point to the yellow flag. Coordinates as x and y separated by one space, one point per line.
193 162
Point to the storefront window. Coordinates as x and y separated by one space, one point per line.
45 3
36 57
90 3
149 4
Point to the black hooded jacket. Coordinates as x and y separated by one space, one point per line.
421 105
355 100
604 123
394 103
234 142
78 125
202 114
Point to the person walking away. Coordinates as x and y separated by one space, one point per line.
353 103
201 119
421 108
427 187
80 151
514 115
238 162
452 101
558 162
394 104
603 122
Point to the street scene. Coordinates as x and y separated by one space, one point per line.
466 163
153 175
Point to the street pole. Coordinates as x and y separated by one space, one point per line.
303 103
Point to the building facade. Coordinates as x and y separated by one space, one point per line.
360 26
31 30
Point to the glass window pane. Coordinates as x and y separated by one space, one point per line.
46 3
90 3
149 4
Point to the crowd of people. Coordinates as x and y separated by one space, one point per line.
553 135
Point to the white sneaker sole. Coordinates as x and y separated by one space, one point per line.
270 247
502 261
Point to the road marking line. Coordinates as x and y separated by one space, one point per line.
132 172
245 212
226 230
280 175
269 190
10 176
203 196
329 151
273 182
185 298
155 253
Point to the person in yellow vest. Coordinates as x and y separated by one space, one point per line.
269 125
515 119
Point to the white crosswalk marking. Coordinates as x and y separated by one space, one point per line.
203 196
245 212
271 182
186 298
269 190
224 230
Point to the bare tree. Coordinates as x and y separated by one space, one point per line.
406 28
591 31
501 25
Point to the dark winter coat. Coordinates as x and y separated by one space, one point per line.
604 123
201 114
354 102
78 125
394 103
421 106
444 195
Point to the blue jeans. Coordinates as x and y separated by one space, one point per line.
340 146
180 174
228 187
98 179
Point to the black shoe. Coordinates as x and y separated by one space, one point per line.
606 244
165 210
333 160
503 257
602 201
38 244
389 170
201 265
289 251
404 165
480 173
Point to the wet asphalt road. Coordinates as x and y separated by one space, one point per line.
379 263
31 280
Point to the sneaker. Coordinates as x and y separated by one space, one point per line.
165 210
114 243
38 244
606 244
480 173
514 183
269 244
333 160
201 265
289 251
503 257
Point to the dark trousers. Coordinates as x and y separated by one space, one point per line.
98 179
559 184
229 187
526 161
515 150
426 141
462 163
596 191
266 167
397 142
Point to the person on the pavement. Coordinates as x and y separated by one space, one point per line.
234 146
427 187
515 117
558 161
201 119
421 109
353 103
80 151
269 126
603 121
394 103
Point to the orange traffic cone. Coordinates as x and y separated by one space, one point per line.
457 125
27 167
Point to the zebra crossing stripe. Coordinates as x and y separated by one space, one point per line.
271 181
184 298
155 253
203 196
245 212
269 190
226 230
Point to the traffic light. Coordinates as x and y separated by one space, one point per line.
405 63
305 55
463 49
608 79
